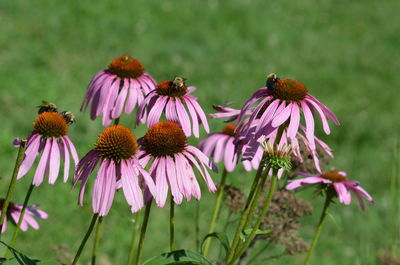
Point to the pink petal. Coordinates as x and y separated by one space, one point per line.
161 183
325 124
294 184
130 186
183 117
282 116
193 115
309 124
41 169
66 160
172 179
131 98
294 121
199 112
31 152
342 192
230 157
119 104
54 162
156 111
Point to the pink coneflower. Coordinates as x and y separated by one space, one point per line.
170 97
172 161
116 149
282 101
14 212
124 83
251 149
339 182
220 145
49 137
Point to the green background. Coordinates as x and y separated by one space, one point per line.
346 52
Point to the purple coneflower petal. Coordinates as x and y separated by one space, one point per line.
130 186
156 111
199 112
343 193
183 117
308 116
325 124
170 111
193 115
32 151
119 104
66 159
183 180
72 149
132 96
54 161
230 158
282 116
42 167
172 179
109 102
294 184
161 183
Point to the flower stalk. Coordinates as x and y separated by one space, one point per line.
172 225
85 238
319 228
215 214
96 240
133 239
11 187
143 233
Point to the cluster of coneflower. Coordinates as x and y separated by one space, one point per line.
266 134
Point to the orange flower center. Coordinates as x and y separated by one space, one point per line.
116 142
126 67
333 176
171 89
229 129
288 89
50 124
164 139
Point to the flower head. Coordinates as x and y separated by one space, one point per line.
123 84
172 160
336 182
49 137
14 212
170 98
281 103
116 150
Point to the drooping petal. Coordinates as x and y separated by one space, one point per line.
172 179
31 152
130 186
119 103
199 112
131 98
193 115
183 117
161 183
54 161
294 121
294 184
42 167
156 111
66 159
230 157
342 192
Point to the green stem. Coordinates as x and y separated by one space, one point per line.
18 162
116 121
197 226
215 214
243 217
133 240
171 224
21 217
318 230
85 238
260 217
143 233
96 240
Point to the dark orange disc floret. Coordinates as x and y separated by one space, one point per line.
229 129
333 176
116 142
126 67
171 89
289 89
164 139
50 124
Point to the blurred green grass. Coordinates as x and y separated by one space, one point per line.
346 52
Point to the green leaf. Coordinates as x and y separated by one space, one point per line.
223 239
247 232
18 259
181 257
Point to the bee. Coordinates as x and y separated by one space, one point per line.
271 81
179 82
47 107
68 116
